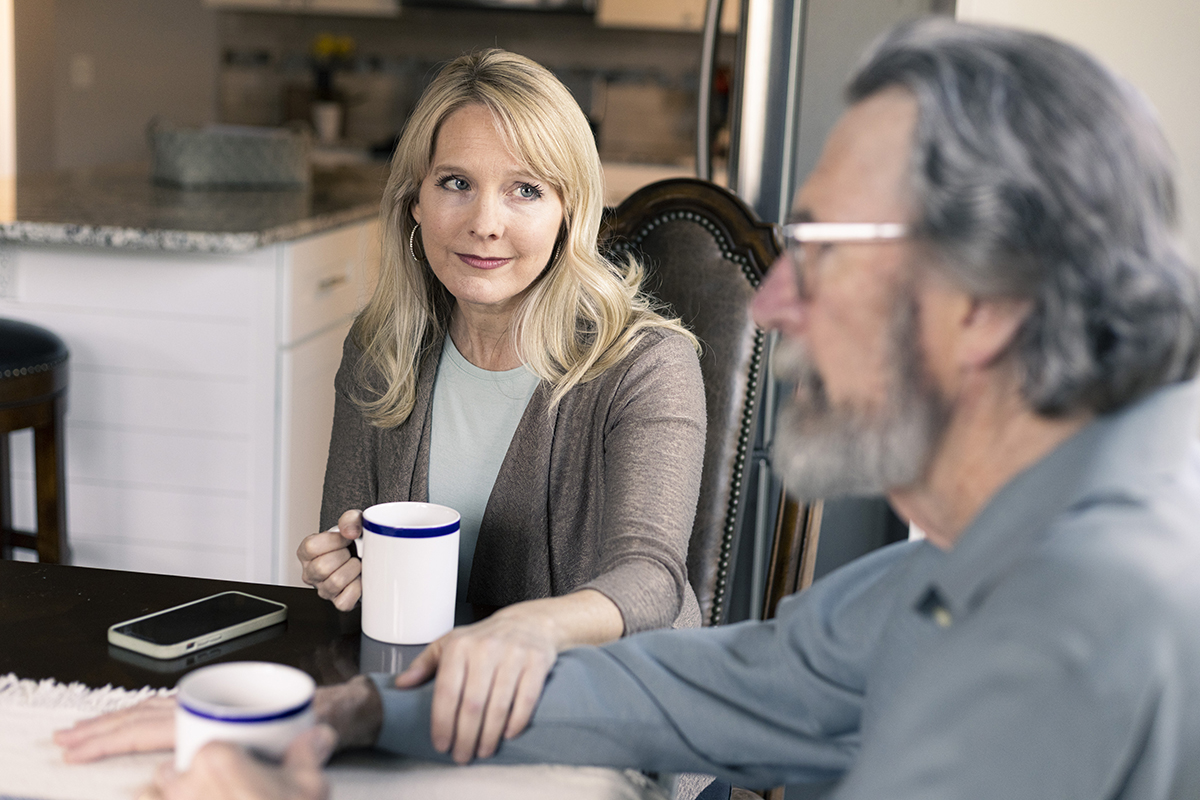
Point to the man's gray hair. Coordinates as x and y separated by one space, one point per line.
1039 174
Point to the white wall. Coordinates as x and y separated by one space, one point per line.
8 95
1153 43
34 22
118 63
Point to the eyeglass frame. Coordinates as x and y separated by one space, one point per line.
797 234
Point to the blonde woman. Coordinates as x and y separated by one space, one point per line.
503 367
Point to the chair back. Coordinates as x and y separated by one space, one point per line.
705 252
793 551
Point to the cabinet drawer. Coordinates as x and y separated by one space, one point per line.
325 279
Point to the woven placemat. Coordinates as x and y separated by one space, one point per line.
31 765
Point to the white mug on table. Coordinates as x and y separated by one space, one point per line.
256 704
410 571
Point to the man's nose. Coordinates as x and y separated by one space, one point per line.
777 304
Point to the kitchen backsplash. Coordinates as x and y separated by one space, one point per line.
637 87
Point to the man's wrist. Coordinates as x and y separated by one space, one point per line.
353 709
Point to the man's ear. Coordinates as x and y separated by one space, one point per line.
988 327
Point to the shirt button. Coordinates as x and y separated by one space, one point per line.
942 616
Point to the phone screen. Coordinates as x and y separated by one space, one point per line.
211 614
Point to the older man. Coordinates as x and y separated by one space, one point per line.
986 315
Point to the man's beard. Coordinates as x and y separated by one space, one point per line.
823 451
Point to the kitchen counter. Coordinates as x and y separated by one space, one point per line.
119 207
205 329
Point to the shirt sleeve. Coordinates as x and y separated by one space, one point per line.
758 704
353 445
653 459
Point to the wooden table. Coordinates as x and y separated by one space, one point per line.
54 623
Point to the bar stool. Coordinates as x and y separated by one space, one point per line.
33 394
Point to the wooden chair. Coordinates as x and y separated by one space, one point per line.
33 394
793 551
705 252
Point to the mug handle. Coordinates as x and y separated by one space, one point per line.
359 543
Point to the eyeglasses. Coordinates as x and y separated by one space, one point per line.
799 234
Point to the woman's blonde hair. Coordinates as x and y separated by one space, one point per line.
581 316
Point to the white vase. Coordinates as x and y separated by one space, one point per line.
327 120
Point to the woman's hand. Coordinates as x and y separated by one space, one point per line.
490 674
329 565
223 771
353 710
145 727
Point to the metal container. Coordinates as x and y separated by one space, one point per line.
230 156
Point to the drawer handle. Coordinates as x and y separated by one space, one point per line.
328 283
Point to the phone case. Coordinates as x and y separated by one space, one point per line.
206 639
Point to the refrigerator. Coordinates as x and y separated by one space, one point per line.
791 64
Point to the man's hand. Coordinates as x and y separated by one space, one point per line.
329 565
145 727
353 711
223 771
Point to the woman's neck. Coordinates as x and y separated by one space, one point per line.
484 338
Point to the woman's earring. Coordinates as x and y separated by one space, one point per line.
412 250
557 251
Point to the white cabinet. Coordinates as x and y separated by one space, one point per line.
679 15
374 8
200 398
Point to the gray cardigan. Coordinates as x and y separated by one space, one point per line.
599 492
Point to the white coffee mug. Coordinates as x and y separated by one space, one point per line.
256 704
410 571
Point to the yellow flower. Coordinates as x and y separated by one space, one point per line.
328 47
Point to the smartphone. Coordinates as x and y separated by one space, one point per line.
177 631
199 656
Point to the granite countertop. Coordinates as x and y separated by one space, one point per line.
119 207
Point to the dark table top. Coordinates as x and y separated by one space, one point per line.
54 624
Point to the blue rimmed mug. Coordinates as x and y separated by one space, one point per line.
256 704
410 571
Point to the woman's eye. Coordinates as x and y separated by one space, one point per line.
529 191
454 183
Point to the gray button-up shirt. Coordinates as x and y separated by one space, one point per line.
1054 652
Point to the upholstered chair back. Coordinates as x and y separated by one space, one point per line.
706 252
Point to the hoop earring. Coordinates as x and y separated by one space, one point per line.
412 251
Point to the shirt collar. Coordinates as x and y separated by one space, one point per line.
1121 453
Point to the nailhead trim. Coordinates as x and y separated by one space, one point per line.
34 370
739 465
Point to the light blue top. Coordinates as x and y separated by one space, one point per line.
475 413
1053 653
